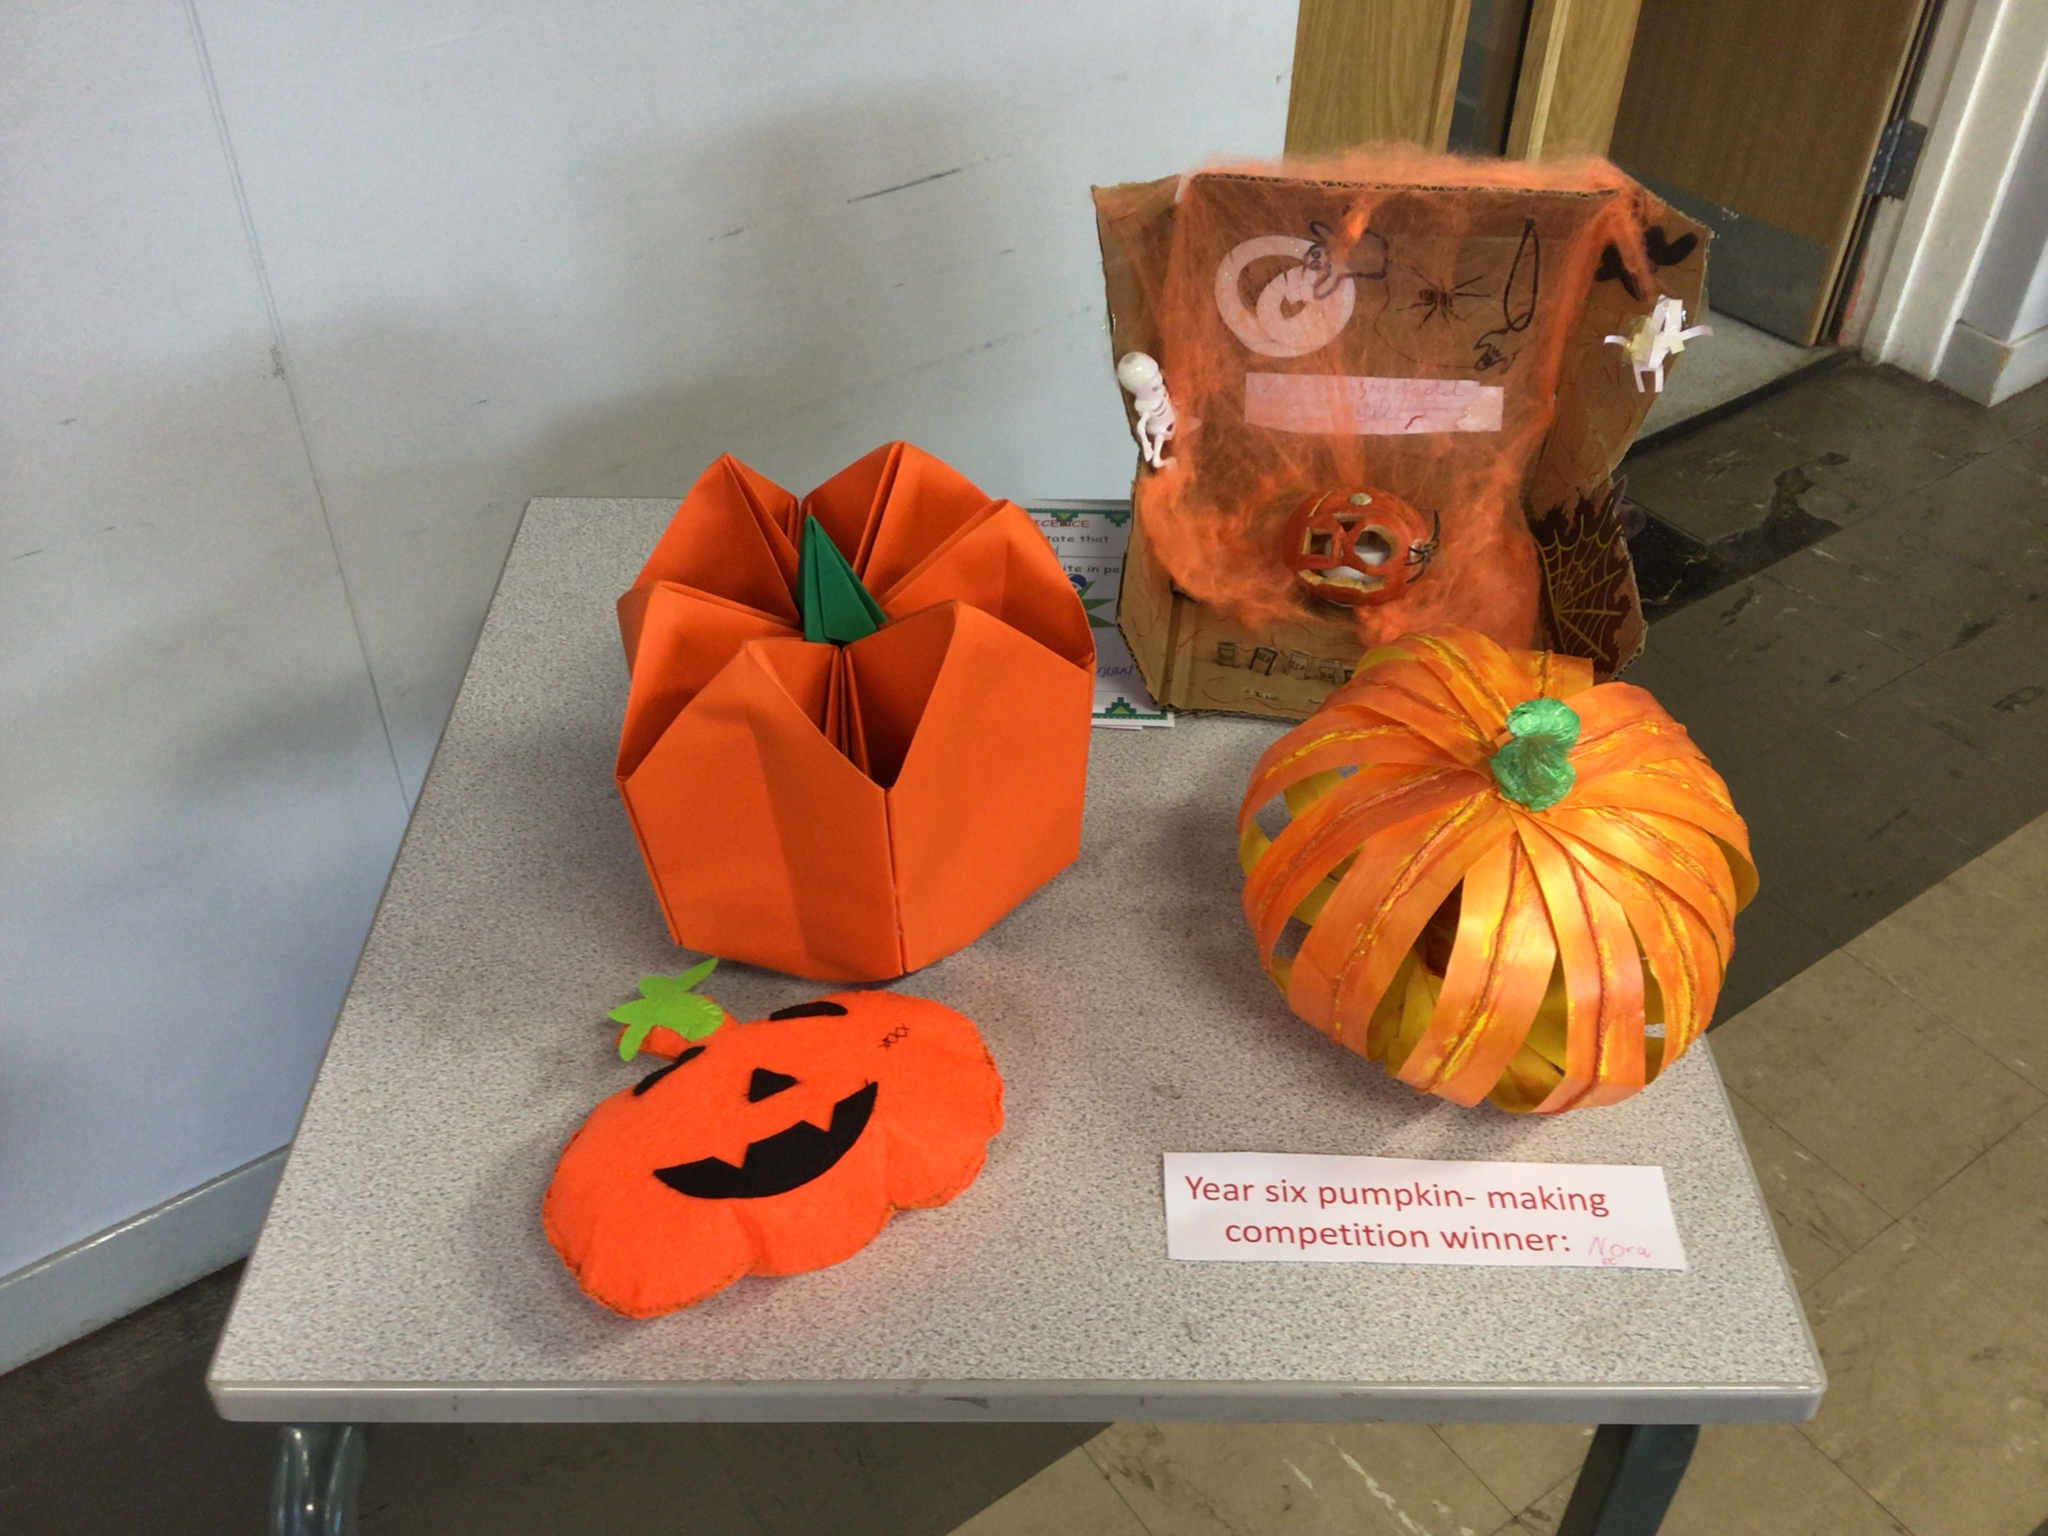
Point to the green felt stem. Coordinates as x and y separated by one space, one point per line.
667 1002
1534 767
836 607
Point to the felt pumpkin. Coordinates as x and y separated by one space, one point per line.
857 729
1515 884
1358 548
771 1148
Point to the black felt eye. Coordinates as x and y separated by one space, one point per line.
818 1010
659 1073
765 1085
1614 269
1664 252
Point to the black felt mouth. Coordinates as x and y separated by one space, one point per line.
777 1164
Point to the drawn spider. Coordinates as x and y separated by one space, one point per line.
1440 300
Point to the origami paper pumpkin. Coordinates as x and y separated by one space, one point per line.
857 729
772 1148
1359 547
1515 884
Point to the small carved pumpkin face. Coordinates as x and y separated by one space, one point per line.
772 1148
1358 548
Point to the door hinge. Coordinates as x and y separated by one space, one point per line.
1898 154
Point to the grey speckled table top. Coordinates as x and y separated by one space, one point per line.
403 1273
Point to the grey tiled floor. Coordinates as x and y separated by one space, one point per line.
1879 703
1893 1100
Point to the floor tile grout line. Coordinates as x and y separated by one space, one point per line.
1571 1477
1998 1303
1805 1427
1890 502
1861 700
1857 960
1087 1449
1477 1475
1889 1220
1700 421
1901 1221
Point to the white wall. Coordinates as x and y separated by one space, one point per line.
1999 344
300 304
1970 241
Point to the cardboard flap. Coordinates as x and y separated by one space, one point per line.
1134 223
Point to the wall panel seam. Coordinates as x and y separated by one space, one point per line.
281 362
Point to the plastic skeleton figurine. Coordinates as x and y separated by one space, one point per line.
1659 335
1140 376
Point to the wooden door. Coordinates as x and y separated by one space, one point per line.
1374 71
1531 78
1760 118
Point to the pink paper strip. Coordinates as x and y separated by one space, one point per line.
1354 405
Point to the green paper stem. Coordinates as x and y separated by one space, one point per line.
836 607
1534 767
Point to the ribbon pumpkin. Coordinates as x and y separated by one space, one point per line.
1517 885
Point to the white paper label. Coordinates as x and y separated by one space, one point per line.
1357 405
1090 542
1295 1207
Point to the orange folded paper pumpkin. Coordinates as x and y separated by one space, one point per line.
852 811
1516 884
772 1148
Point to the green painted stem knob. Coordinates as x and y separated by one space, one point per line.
1534 768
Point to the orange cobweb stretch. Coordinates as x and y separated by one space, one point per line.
1387 319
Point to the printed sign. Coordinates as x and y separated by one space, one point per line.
1298 1208
1090 537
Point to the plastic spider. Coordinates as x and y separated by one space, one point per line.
1420 554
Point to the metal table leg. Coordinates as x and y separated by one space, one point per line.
1630 1477
319 1467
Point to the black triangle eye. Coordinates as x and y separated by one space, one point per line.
765 1085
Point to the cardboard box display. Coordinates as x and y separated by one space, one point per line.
1468 372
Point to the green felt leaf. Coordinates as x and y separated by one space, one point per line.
835 605
667 1002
